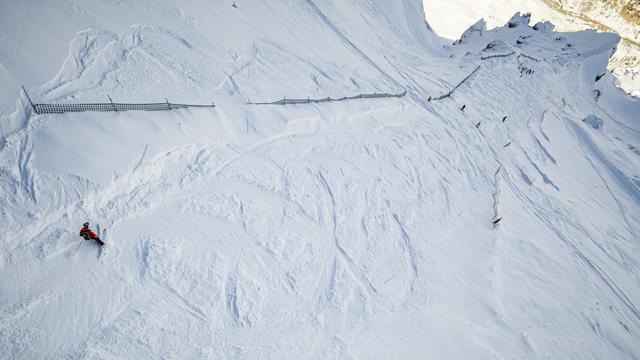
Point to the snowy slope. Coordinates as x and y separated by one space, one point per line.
143 50
358 229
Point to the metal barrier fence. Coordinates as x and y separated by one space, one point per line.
110 106
286 101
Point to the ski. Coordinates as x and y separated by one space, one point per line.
102 237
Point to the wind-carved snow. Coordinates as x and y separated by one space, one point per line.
566 15
355 229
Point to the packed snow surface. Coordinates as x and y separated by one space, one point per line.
360 229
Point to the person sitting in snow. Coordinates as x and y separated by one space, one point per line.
88 234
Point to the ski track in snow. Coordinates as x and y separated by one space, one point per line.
608 281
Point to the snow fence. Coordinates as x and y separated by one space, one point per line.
63 108
444 96
285 101
164 106
110 106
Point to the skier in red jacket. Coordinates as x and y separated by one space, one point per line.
88 234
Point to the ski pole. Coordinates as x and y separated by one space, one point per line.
78 247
